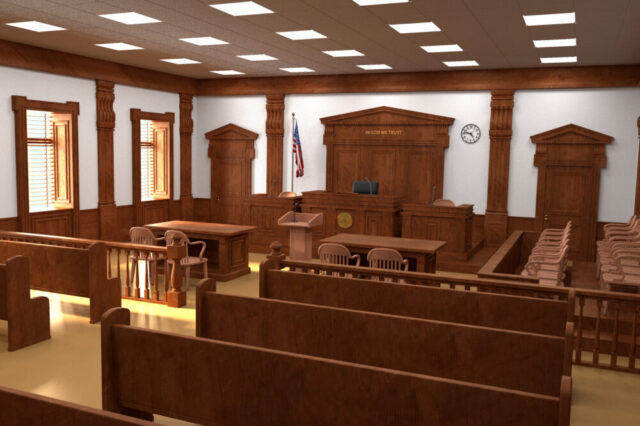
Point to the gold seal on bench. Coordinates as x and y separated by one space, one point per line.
345 220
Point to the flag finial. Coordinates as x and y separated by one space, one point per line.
293 114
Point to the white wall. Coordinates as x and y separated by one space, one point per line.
147 100
466 166
610 111
53 88
211 112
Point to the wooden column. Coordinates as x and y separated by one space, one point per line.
106 122
636 210
186 130
496 217
275 132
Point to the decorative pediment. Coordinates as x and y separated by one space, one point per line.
387 116
231 131
572 134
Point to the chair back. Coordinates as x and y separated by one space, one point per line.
444 203
172 235
386 258
334 254
142 235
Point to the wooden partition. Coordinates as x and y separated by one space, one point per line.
263 212
28 319
520 361
507 262
23 408
212 382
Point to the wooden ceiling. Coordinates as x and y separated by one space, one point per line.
492 32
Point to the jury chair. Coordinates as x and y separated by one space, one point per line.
144 236
386 258
188 261
337 254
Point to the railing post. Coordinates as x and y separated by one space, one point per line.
176 297
276 256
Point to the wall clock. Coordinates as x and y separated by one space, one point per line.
470 133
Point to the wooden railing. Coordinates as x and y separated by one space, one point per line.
607 323
121 258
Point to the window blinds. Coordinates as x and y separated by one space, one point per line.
40 160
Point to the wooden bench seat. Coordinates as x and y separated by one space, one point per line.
509 359
24 408
28 319
527 314
69 270
213 382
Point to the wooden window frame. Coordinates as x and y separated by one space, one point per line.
20 105
136 116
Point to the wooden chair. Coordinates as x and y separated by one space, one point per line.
386 258
143 236
444 203
188 261
337 254
617 227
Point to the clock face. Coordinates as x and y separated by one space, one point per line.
470 133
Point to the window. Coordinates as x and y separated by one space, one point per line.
154 160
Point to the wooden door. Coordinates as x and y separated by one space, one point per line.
231 152
569 160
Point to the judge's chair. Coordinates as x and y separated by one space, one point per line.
143 236
386 258
188 261
337 254
443 203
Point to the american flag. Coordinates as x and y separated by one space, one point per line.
297 150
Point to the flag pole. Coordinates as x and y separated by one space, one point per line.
293 124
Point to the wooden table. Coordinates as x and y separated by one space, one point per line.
227 245
421 253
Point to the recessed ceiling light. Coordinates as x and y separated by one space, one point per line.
550 19
297 69
559 42
375 67
376 2
559 59
259 57
119 46
342 53
461 63
181 61
242 8
39 27
227 72
130 18
442 48
416 27
204 41
301 35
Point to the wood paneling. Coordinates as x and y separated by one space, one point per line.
637 205
569 159
275 132
402 150
90 224
201 208
186 130
231 149
495 220
530 78
263 212
106 122
52 61
9 224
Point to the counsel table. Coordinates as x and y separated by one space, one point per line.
227 245
421 253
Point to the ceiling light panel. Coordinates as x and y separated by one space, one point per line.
461 63
119 46
559 59
416 27
377 2
130 18
550 19
259 57
442 48
343 53
301 35
297 69
370 67
204 41
242 8
227 72
38 27
559 42
181 61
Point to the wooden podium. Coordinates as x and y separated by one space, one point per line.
300 238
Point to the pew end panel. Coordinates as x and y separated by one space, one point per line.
104 293
28 318
203 286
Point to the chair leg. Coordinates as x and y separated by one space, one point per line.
187 273
206 270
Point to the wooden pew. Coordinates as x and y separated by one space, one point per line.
28 319
69 270
23 408
489 356
212 382
526 314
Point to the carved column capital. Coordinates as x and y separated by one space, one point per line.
186 107
106 116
